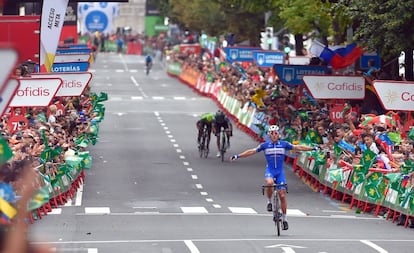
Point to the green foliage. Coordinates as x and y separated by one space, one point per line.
383 25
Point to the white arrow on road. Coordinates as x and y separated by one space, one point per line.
285 247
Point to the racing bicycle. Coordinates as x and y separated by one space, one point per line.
276 207
203 147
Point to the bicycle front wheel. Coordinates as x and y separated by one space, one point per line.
276 208
223 145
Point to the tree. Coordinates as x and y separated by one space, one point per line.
386 26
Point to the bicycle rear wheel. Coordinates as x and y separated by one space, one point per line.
276 207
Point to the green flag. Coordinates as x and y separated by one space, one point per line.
337 150
395 137
411 134
40 198
368 158
314 137
86 160
407 167
5 151
103 96
336 175
375 178
373 192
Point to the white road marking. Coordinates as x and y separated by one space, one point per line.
194 177
165 128
204 193
133 71
189 169
245 210
134 81
119 71
179 98
182 157
195 115
115 98
105 66
186 163
194 209
172 140
136 98
55 211
92 250
78 200
209 200
123 62
97 210
199 186
176 145
333 211
295 212
191 246
157 114
167 132
179 150
218 240
344 216
374 246
109 84
162 124
68 203
216 206
158 98
170 136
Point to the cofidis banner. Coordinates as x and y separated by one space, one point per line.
53 16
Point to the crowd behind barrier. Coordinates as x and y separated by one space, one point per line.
54 141
366 161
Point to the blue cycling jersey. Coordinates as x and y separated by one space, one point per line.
275 154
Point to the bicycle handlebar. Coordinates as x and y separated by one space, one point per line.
274 186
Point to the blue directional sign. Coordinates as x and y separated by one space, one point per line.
72 46
366 57
73 51
267 59
70 67
243 54
293 74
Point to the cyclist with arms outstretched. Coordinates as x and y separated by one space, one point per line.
274 151
221 121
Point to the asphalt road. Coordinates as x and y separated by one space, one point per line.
149 191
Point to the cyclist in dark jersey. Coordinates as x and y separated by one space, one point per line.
221 121
274 151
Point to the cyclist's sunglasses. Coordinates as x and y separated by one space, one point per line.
273 132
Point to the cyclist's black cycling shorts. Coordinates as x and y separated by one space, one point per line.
224 125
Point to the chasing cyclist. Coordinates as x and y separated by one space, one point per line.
148 63
221 121
205 120
274 151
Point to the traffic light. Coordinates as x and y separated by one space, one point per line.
266 39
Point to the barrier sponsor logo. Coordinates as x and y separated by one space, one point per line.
293 74
190 49
242 54
268 58
395 95
35 92
73 83
70 67
335 87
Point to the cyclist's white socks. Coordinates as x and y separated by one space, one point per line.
284 218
